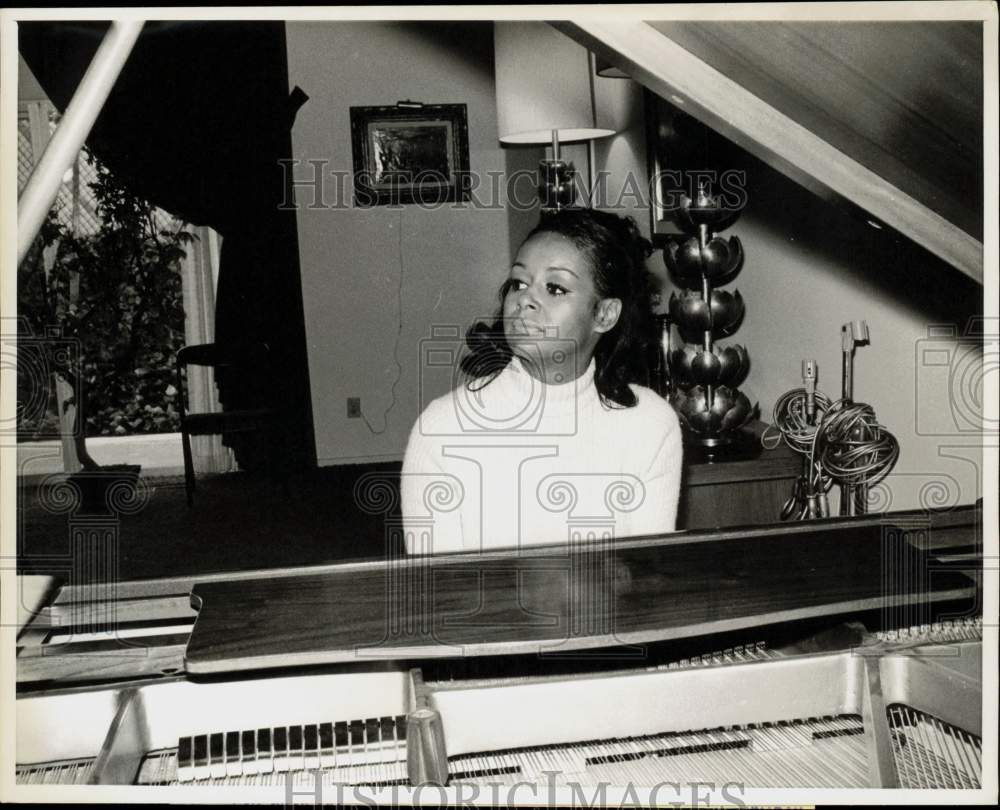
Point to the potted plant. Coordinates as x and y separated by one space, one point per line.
111 292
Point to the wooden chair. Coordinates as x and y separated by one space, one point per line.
248 363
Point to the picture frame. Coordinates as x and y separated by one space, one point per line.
410 153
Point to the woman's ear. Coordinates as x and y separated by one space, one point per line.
608 312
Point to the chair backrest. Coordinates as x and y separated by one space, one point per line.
251 362
216 354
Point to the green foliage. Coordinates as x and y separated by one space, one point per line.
116 295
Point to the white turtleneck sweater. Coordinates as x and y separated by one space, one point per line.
519 463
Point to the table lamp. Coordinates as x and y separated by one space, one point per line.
545 94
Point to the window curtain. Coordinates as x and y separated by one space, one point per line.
200 275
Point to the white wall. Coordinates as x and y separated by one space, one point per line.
376 280
811 268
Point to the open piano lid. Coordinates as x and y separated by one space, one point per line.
887 116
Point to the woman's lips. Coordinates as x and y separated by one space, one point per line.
526 329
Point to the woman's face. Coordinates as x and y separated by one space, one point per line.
553 316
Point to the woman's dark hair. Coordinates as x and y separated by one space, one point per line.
617 254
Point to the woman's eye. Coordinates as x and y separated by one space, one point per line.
555 289
515 284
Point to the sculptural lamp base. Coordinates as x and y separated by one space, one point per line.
556 188
736 445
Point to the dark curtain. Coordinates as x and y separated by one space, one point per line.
197 123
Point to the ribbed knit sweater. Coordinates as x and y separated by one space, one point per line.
518 462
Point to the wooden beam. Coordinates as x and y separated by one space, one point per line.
678 76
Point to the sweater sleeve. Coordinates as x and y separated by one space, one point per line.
662 481
427 483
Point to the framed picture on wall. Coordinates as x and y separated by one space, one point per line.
410 153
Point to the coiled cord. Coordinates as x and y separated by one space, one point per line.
841 442
852 447
791 420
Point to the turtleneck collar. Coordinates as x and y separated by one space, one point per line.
555 395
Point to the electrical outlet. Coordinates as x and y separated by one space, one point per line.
354 407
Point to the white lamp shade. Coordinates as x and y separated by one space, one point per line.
543 83
617 103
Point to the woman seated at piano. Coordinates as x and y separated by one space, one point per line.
550 438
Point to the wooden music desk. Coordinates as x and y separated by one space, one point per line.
547 601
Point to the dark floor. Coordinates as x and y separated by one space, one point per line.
237 522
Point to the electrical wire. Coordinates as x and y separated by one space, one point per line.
399 332
840 441
792 421
852 447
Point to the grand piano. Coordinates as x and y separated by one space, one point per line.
837 653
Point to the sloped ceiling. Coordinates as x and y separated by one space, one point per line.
887 116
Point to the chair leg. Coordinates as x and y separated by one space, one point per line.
188 467
279 459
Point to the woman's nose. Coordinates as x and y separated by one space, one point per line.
525 300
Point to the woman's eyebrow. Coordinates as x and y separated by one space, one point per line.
564 270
